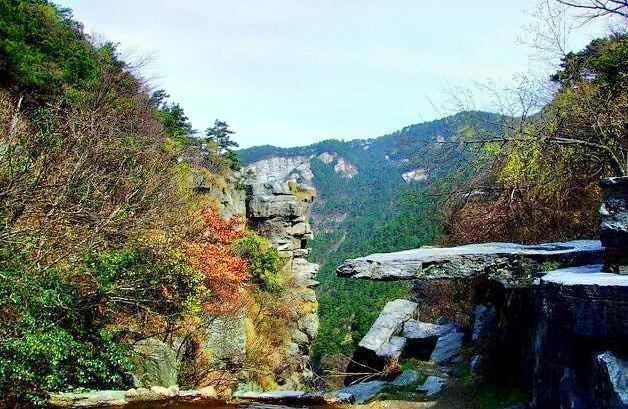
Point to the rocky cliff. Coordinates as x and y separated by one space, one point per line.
549 319
280 212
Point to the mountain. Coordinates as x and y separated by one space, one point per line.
371 197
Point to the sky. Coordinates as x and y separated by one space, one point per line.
293 72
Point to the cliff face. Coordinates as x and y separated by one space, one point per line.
280 213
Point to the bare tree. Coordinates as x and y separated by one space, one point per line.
599 8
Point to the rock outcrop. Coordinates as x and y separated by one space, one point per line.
510 264
581 313
112 398
280 169
382 340
280 212
396 334
416 175
562 334
157 364
614 223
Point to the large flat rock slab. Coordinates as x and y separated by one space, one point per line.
511 264
389 324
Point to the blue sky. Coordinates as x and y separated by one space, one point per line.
292 72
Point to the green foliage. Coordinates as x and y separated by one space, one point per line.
41 46
91 254
49 338
142 281
219 137
603 61
54 360
265 264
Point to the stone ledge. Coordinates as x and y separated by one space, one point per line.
109 398
509 263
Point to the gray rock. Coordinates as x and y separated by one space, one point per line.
414 329
614 213
363 392
447 347
300 338
278 209
388 324
304 272
309 323
339 398
271 206
475 363
156 364
433 385
406 378
484 320
393 348
576 308
613 380
270 396
88 399
111 398
510 264
226 340
280 169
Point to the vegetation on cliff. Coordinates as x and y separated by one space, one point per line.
105 239
540 176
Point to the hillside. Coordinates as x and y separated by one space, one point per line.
371 197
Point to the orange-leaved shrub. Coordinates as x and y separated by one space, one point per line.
224 273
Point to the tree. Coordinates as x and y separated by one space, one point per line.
176 123
599 8
219 136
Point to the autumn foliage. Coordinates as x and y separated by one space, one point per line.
224 273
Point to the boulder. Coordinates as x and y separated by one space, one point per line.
611 380
406 378
433 385
508 263
389 323
414 329
447 347
580 310
226 340
156 364
111 398
393 348
308 324
363 392
304 272
88 399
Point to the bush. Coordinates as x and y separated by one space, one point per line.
51 341
55 360
265 264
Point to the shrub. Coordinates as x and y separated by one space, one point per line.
265 264
51 341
